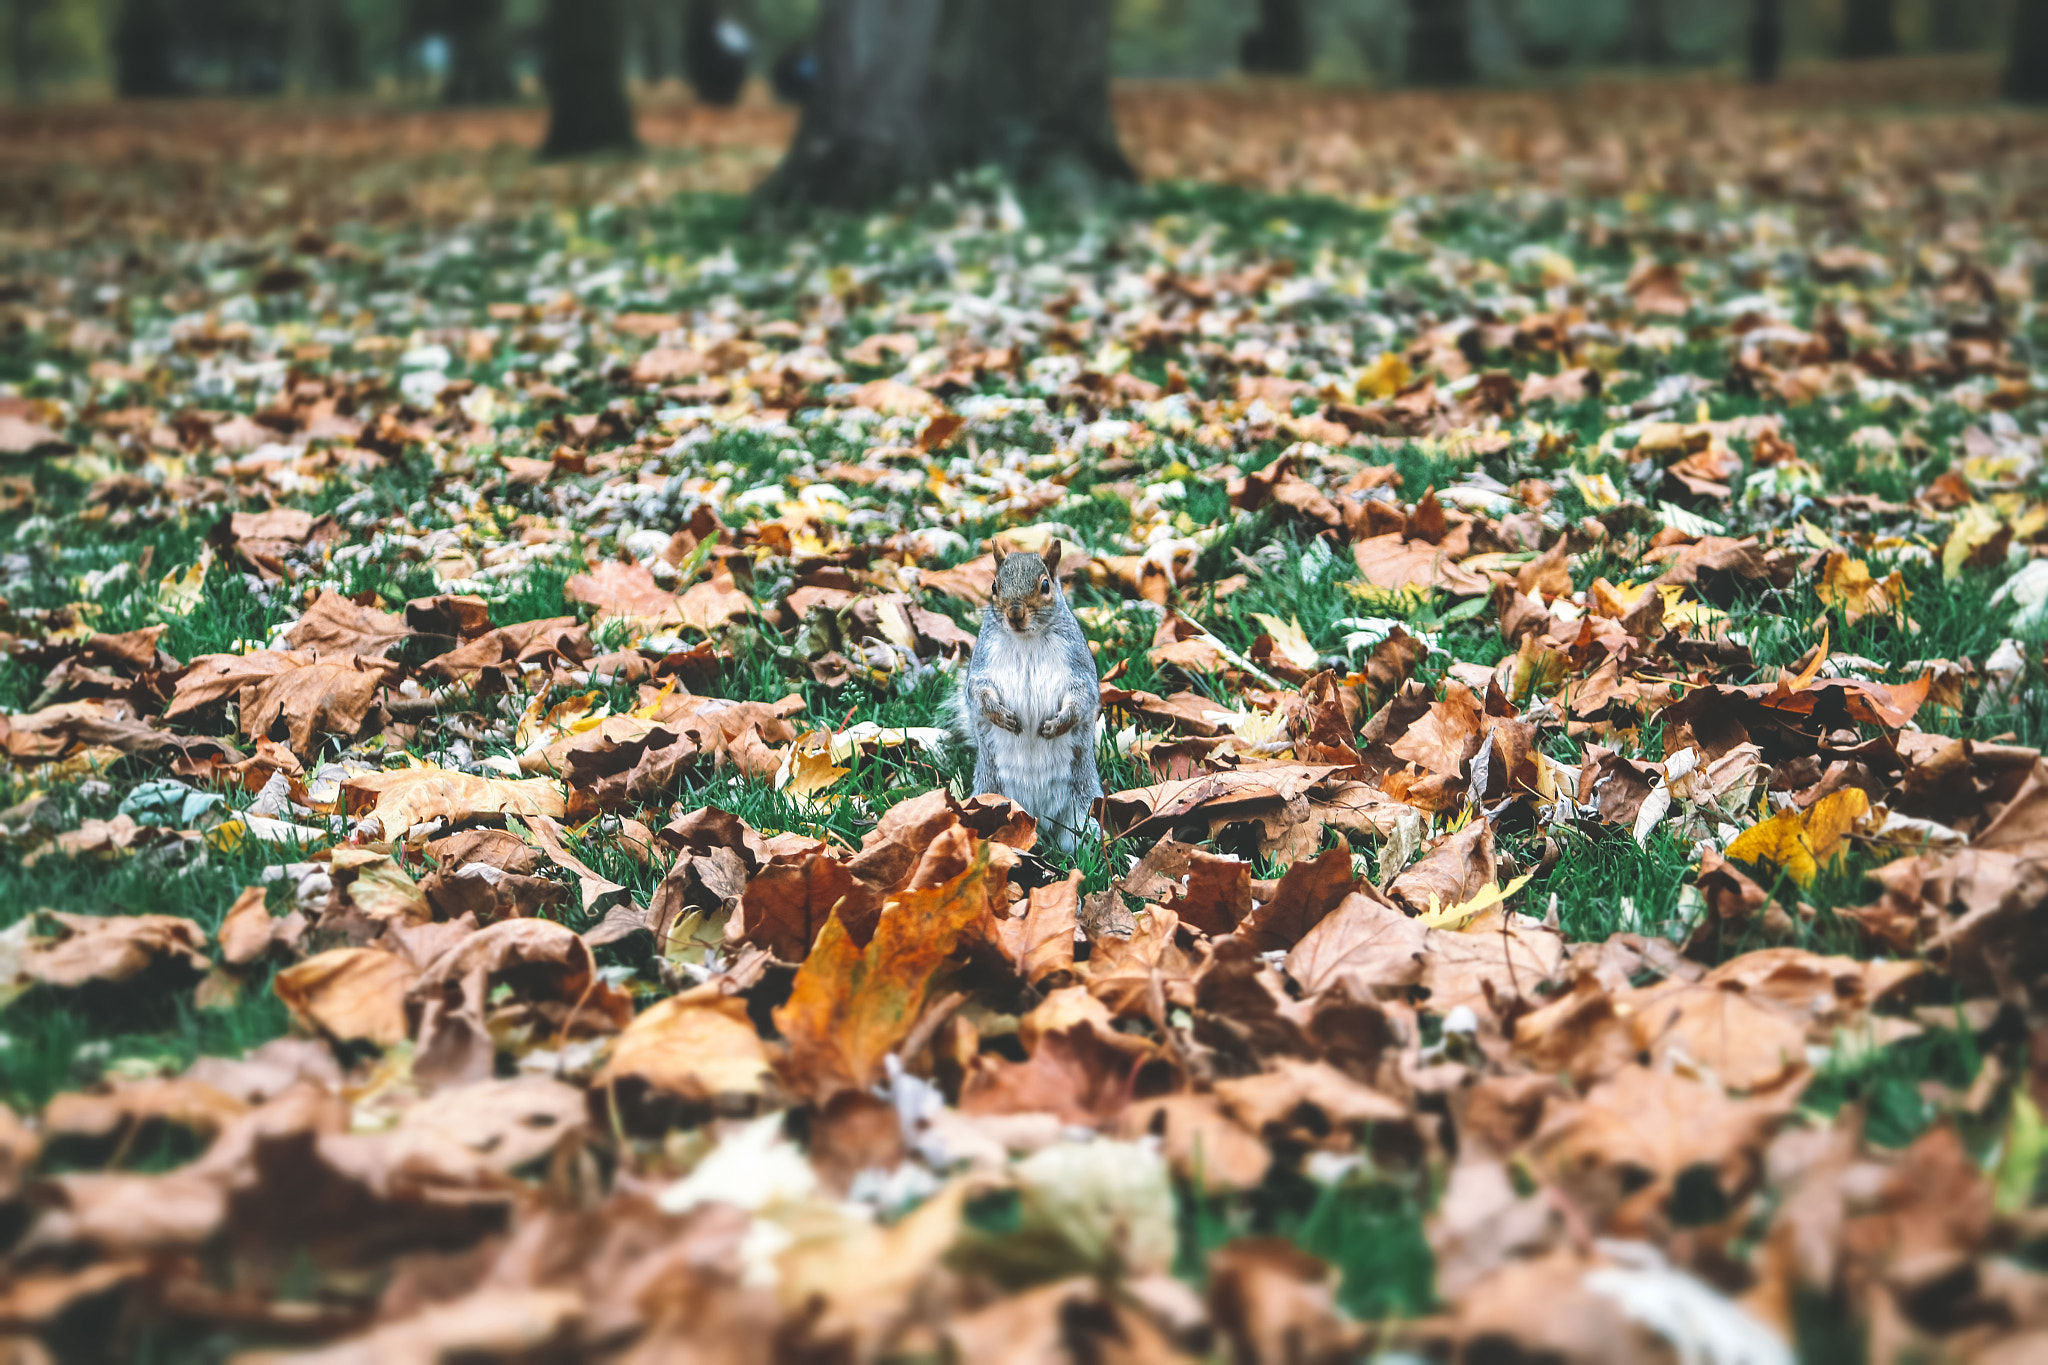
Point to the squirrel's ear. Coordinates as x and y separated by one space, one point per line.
996 548
1052 558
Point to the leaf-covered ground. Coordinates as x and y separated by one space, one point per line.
483 882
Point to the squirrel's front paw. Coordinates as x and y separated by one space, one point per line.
1002 717
1053 727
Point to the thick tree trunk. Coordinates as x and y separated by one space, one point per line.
324 53
1766 41
1649 41
1279 45
1439 43
479 53
2026 59
142 50
21 40
1868 29
587 108
715 53
1954 25
912 91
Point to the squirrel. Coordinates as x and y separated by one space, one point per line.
1030 698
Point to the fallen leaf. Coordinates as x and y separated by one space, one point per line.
851 1005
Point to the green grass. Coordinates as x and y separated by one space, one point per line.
1367 1226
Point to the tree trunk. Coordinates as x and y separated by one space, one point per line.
1439 43
2026 59
323 51
142 50
587 109
1279 45
1955 25
1868 30
479 53
1649 42
715 53
912 91
21 41
1766 41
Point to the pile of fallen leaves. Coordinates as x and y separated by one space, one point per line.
483 880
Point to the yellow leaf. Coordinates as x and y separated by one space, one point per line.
807 769
1800 843
182 590
1386 376
1598 490
1812 670
1289 642
1678 611
1973 530
653 708
1846 583
1454 916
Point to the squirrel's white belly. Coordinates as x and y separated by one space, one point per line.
1037 774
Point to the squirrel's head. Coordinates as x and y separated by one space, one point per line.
1027 587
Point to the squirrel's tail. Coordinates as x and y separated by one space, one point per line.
953 717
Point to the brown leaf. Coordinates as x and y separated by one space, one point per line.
1453 871
112 948
120 1109
1362 946
1039 943
624 590
400 798
351 994
699 1046
1307 892
334 627
508 1123
1205 1145
1273 1301
1650 1123
714 603
1444 738
247 930
322 697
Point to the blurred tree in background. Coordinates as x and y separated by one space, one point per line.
912 91
1869 29
2026 60
489 51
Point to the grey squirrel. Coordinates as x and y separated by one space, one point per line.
1030 698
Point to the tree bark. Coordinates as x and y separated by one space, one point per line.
2026 60
1868 29
1953 25
324 53
716 70
23 48
583 70
1439 43
913 91
1649 42
479 53
142 50
1766 41
1279 45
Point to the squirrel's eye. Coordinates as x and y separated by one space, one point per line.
1045 585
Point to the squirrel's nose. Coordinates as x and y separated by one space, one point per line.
1017 620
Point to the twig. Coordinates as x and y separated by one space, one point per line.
928 1024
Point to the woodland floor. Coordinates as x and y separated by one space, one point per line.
480 880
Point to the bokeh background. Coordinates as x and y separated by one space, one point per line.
489 51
